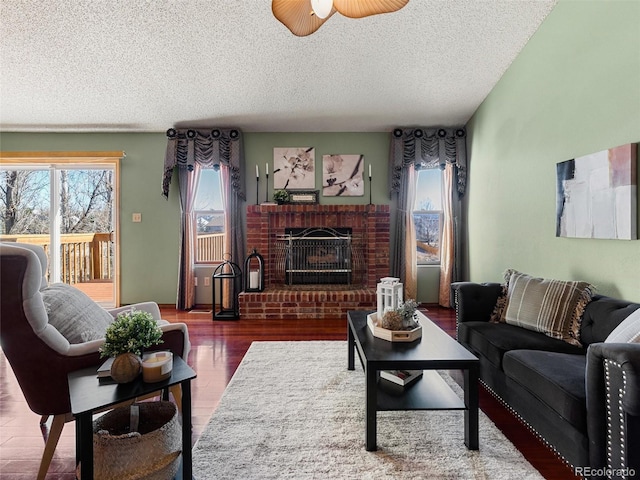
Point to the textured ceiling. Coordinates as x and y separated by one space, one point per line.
142 65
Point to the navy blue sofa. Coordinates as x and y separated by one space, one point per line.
584 402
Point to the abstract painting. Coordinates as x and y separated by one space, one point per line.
294 168
342 175
596 195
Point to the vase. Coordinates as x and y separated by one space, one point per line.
126 367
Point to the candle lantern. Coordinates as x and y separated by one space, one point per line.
227 285
254 272
389 295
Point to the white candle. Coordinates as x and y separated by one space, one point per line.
157 366
267 168
369 170
254 279
257 172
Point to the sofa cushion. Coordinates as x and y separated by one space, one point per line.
628 331
78 318
556 379
552 307
493 340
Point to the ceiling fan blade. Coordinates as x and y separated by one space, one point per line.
297 16
364 8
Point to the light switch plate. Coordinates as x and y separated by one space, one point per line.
136 217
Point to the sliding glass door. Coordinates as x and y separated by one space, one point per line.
70 209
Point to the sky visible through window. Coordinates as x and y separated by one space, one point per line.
429 189
209 196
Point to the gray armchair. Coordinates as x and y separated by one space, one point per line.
40 356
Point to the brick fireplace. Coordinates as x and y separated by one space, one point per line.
266 225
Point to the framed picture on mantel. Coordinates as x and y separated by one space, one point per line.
303 196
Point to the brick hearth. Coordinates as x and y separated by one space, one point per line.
370 223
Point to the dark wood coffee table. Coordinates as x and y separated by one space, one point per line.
436 350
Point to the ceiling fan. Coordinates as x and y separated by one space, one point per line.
303 17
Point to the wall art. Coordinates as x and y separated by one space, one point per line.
596 195
294 168
342 175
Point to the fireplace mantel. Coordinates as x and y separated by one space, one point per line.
266 222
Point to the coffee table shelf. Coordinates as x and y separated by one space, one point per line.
431 392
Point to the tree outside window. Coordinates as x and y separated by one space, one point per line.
209 212
427 216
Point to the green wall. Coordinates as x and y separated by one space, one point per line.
149 258
573 90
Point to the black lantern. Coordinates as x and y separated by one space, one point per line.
227 284
254 272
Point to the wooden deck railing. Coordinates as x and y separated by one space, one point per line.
86 257
209 247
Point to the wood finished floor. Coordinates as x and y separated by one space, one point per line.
217 349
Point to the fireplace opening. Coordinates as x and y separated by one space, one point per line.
318 256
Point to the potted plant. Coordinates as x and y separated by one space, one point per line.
125 339
402 318
281 196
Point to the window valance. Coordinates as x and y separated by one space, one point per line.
210 148
428 148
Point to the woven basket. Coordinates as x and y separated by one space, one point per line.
151 453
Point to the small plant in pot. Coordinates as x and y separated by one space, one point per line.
402 318
281 196
125 339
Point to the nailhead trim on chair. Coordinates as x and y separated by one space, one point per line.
607 374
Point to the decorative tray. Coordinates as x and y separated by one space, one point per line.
392 335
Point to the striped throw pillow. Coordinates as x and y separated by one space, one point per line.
552 307
628 331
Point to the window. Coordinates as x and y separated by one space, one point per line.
427 216
209 213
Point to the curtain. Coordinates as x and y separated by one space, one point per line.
188 181
410 254
234 236
448 247
188 150
415 148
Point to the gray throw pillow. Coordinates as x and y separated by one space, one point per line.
628 331
78 318
553 307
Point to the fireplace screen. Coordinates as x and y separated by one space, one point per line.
316 256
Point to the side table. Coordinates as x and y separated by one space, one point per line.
88 394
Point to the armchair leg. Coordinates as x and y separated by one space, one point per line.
50 446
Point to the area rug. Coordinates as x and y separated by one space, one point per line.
293 411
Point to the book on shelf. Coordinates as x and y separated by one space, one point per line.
401 377
104 370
